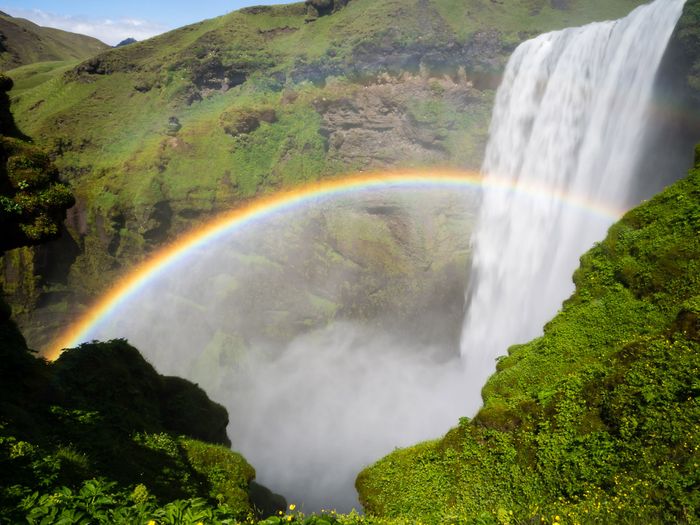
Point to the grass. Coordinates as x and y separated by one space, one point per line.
26 43
597 420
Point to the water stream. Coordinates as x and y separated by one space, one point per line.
570 117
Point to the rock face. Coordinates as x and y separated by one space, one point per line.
126 42
316 8
394 120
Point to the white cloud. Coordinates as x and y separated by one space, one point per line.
110 31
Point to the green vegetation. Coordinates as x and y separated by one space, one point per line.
99 435
23 42
596 421
32 200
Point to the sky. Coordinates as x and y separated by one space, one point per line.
112 22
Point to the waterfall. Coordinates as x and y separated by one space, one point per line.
570 116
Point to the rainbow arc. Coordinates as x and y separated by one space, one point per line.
266 206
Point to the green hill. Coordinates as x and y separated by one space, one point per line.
23 42
598 420
158 136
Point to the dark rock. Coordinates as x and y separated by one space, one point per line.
256 9
159 221
243 121
173 125
6 83
563 5
126 42
485 52
316 8
264 501
94 66
114 379
212 74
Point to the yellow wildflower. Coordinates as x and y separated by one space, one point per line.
152 522
292 506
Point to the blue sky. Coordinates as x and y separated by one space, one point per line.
114 21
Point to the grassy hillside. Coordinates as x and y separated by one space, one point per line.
100 426
22 42
158 136
596 421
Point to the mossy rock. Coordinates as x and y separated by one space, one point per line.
242 121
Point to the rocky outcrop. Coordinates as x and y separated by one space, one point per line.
116 380
243 121
484 55
316 8
390 121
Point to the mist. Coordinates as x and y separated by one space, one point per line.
336 400
330 333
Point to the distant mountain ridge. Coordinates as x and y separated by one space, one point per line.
23 42
126 42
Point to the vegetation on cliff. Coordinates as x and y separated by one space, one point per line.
33 202
100 428
598 420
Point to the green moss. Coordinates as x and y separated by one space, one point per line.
227 472
598 419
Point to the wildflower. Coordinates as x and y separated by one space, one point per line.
292 506
152 522
289 518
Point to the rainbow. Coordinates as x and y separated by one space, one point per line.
266 206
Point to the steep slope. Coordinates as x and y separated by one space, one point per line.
23 42
596 421
158 136
100 410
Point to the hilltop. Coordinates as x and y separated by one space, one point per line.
23 42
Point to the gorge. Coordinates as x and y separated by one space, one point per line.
559 126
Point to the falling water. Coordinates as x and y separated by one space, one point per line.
570 116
